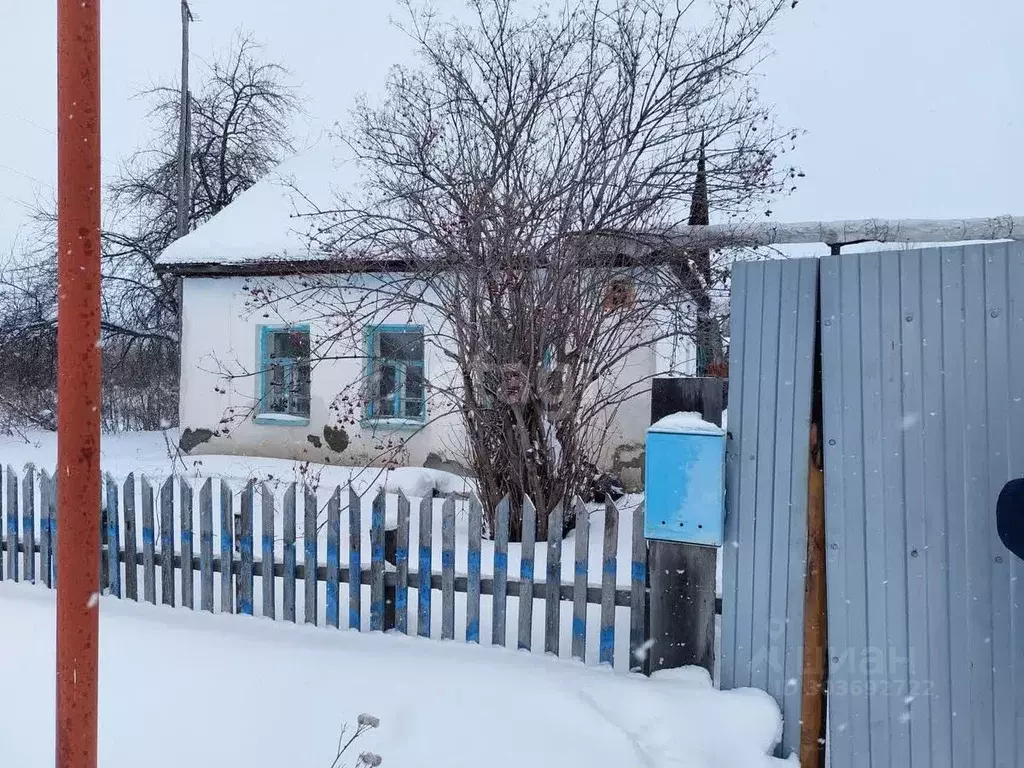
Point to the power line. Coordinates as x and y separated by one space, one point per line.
28 176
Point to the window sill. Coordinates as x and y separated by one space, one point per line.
281 420
392 423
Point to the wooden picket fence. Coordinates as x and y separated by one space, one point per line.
168 544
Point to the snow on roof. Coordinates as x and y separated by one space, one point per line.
686 423
266 222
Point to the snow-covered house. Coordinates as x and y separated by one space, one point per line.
249 385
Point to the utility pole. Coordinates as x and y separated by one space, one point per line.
185 129
78 380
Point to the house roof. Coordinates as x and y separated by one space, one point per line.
267 229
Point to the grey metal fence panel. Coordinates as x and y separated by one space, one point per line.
771 366
923 382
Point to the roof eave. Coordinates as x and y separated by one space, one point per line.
282 267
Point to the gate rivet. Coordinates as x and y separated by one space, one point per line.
999 559
834 546
828 322
909 318
913 553
832 442
994 313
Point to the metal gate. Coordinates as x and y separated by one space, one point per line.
923 400
923 386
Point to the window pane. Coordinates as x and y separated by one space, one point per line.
290 344
298 401
384 399
401 345
414 392
277 391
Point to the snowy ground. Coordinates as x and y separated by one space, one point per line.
258 694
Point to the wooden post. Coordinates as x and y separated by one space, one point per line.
682 576
815 667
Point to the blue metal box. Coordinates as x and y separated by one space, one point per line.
685 481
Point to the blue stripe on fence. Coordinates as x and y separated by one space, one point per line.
579 628
355 560
333 559
377 563
402 592
473 622
607 641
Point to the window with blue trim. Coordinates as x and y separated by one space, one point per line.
397 383
284 373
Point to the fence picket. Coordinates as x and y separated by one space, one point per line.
206 546
246 581
53 522
28 523
167 542
288 524
526 574
499 600
45 549
12 524
51 519
579 589
448 569
113 537
3 537
402 566
355 561
131 542
608 573
473 570
267 551
553 582
227 548
333 558
377 562
148 543
638 594
425 566
188 592
309 551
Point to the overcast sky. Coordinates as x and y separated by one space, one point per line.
912 108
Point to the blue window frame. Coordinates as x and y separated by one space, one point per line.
284 376
397 384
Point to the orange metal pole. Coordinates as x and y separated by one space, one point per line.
78 386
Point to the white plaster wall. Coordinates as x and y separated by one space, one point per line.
218 391
220 334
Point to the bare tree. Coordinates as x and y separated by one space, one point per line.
489 169
491 174
241 112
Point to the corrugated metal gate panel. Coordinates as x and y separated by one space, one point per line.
770 370
923 383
